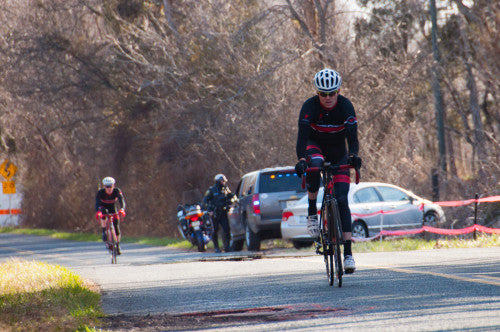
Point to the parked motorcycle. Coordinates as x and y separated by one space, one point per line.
195 225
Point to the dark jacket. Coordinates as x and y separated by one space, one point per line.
217 198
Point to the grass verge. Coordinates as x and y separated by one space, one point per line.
403 244
87 237
36 296
388 244
407 243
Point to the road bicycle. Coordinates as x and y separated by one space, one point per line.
330 236
111 237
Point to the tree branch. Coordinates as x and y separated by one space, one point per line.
465 11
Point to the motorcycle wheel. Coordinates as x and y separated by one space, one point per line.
200 241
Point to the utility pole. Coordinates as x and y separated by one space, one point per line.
438 96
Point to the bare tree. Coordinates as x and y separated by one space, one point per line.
436 88
163 95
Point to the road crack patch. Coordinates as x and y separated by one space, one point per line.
220 318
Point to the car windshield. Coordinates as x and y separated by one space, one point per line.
280 181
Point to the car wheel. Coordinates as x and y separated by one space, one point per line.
431 218
359 230
237 245
301 244
253 239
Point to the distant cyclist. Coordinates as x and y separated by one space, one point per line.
106 199
326 121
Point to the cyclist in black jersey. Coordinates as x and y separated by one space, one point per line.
106 199
326 121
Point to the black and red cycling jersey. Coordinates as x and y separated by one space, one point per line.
329 129
322 137
105 201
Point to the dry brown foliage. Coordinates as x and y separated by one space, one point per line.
163 95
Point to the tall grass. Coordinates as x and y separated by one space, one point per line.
36 296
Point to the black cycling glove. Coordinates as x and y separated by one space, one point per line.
301 167
355 161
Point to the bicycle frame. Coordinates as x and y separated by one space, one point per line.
330 203
112 238
331 234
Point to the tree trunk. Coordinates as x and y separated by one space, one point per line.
479 141
438 97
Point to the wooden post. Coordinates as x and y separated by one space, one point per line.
475 216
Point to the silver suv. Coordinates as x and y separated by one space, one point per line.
262 196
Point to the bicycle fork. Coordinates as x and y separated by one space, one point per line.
336 232
113 231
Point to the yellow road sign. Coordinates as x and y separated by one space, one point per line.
9 187
8 169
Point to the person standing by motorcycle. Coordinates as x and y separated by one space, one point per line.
216 202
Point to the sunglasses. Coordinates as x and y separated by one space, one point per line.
327 94
109 186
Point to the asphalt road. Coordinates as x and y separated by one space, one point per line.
445 289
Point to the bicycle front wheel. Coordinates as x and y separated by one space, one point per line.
338 264
337 237
331 274
114 253
326 236
114 248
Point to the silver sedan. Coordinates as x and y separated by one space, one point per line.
374 206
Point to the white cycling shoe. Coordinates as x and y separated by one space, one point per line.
313 226
349 264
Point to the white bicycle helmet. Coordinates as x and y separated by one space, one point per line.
108 181
327 80
220 178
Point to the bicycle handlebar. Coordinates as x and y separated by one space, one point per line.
108 214
328 166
